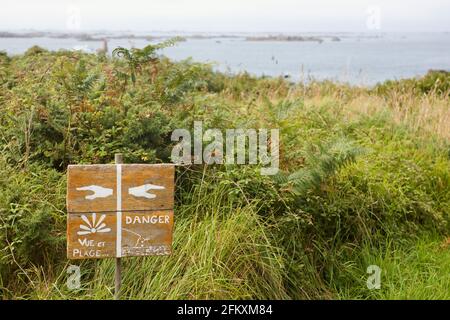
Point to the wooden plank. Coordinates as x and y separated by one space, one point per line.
84 177
145 204
153 176
92 188
91 235
147 233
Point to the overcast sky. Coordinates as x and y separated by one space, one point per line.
226 15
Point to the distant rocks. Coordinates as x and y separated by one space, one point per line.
100 37
22 35
78 36
291 38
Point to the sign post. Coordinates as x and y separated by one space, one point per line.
119 210
118 159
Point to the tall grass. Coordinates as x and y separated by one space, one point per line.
410 270
364 178
221 250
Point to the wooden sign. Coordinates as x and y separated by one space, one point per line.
119 210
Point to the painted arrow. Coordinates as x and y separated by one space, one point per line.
97 192
141 191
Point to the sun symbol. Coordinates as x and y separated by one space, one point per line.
93 226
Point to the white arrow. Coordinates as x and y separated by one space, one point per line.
98 192
141 191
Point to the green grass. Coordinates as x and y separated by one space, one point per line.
364 179
410 270
220 251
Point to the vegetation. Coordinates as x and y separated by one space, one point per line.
364 179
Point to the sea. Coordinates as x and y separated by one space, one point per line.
362 59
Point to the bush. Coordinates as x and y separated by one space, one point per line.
349 176
435 81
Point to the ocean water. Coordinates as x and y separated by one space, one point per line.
361 59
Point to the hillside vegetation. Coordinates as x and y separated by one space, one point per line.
364 180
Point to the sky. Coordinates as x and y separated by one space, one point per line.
227 15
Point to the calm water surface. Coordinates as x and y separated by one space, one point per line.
362 59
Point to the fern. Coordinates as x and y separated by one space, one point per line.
89 82
322 162
76 79
136 58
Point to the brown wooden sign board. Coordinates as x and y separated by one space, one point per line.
119 210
